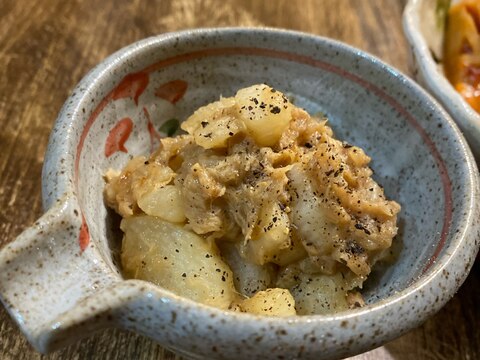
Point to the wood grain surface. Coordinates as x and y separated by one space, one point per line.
46 47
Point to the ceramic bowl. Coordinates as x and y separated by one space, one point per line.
424 25
60 279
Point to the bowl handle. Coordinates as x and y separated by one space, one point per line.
44 274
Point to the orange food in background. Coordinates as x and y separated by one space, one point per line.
462 50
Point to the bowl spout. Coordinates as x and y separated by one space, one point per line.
44 274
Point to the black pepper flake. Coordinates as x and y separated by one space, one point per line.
308 145
184 275
329 172
275 110
204 123
208 135
338 172
361 227
230 133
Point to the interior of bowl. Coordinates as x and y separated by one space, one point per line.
417 154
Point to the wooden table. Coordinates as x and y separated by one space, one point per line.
47 46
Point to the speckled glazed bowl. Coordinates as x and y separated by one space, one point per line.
424 25
60 279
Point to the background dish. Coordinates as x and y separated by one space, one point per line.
424 27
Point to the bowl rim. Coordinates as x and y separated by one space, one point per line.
123 54
84 90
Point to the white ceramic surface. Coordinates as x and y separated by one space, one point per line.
425 32
60 280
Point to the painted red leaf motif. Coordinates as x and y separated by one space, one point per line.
154 135
172 91
118 136
84 235
132 86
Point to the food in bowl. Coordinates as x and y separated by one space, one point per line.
257 208
462 50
